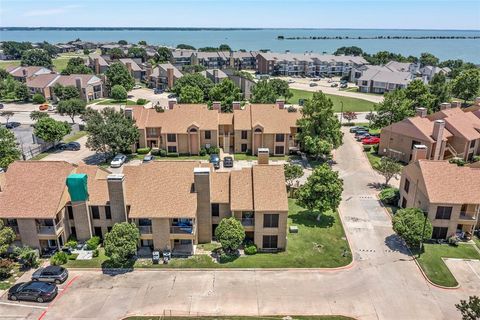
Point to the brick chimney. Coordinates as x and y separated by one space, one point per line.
148 71
280 104
437 135
216 105
215 75
79 85
97 65
24 72
116 195
129 67
202 182
421 112
419 152
236 105
444 106
263 155
170 77
171 103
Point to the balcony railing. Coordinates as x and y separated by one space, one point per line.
50 230
247 222
182 229
467 216
145 229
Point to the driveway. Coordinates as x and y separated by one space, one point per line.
382 283
84 154
145 93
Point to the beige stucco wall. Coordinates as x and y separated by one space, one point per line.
239 141
28 233
161 234
393 141
281 231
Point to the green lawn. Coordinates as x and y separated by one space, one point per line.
477 241
349 104
373 157
109 102
7 283
59 63
434 267
244 156
4 64
239 318
40 156
92 263
77 135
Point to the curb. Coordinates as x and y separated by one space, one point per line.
431 282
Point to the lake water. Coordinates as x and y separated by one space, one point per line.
255 39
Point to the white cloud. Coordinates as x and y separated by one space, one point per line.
51 11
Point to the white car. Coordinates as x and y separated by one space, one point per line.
137 87
118 161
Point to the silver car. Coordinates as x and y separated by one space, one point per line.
55 274
118 161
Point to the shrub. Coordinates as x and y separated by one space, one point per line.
225 258
453 240
59 258
118 93
163 153
173 154
367 148
476 158
375 148
291 109
459 162
158 108
27 256
203 151
143 150
250 249
6 266
390 196
95 253
230 233
348 124
141 101
93 243
38 98
213 150
71 244
73 256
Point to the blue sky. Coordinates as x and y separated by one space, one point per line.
404 14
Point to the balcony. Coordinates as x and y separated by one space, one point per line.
247 222
50 230
145 229
182 229
468 216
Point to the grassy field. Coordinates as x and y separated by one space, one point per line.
434 267
74 137
239 318
349 104
59 63
318 244
109 102
7 283
477 241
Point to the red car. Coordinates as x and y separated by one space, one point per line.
371 140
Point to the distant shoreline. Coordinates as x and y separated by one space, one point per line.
381 38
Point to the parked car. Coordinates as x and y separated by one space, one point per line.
215 160
33 291
12 124
1 106
43 107
228 162
316 79
343 81
157 91
172 95
358 128
148 158
344 85
137 87
291 81
72 146
313 84
371 140
363 136
55 274
360 133
118 161
334 85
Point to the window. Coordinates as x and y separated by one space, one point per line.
244 134
270 220
73 232
472 144
108 213
443 213
70 212
244 147
109 229
208 135
97 231
439 232
171 137
258 130
215 210
404 202
172 149
279 149
406 187
193 130
280 137
270 242
95 212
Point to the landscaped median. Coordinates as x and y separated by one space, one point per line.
349 103
318 244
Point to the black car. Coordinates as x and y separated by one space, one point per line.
215 160
172 95
33 291
228 162
357 128
73 146
1 105
12 124
55 274
360 133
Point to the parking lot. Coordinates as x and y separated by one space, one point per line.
467 272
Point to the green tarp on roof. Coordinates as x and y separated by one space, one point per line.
77 186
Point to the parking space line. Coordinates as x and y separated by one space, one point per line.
22 305
57 297
475 272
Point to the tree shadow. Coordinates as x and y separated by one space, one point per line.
376 185
309 219
113 269
95 159
395 243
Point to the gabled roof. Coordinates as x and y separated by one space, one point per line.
161 70
241 189
101 60
464 124
417 128
133 63
269 190
70 80
29 71
42 80
220 191
270 117
97 183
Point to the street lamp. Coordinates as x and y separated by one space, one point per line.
423 231
341 112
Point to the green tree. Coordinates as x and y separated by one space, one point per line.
193 68
163 55
395 107
49 48
109 130
319 126
388 168
190 94
7 115
38 98
137 52
27 256
409 224
116 53
470 310
262 92
118 93
7 236
36 57
3 74
467 85
65 92
76 66
185 46
281 88
230 233
122 42
292 173
194 80
21 91
349 51
14 49
9 151
121 242
142 43
37 115
428 59
50 130
420 96
72 108
226 92
322 192
117 73
224 47
438 87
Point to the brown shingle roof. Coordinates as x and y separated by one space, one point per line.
269 190
220 191
30 71
42 80
97 183
243 119
70 80
449 183
464 124
241 188
273 119
225 118
34 189
416 127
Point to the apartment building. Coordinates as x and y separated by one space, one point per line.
377 79
216 75
308 64
186 128
242 60
175 204
23 73
135 67
181 57
163 76
447 193
449 133
97 63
